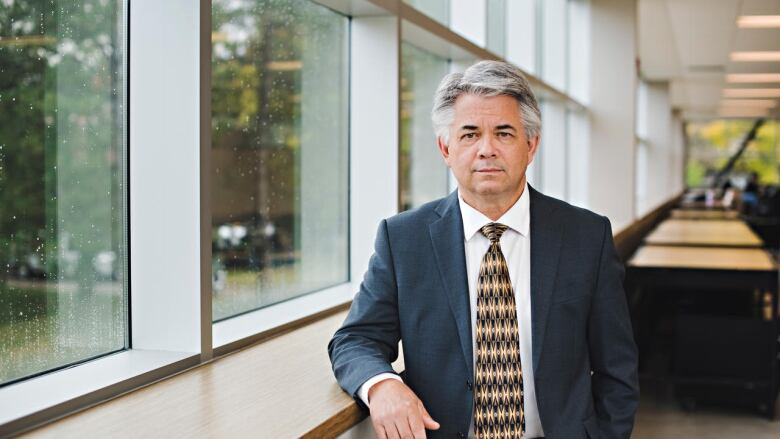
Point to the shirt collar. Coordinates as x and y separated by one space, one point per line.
516 218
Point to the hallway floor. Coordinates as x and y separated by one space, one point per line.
660 417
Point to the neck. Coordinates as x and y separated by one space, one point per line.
492 206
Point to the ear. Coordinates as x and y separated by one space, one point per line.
444 149
533 146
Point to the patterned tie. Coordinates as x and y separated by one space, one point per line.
498 411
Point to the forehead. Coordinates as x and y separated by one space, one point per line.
500 109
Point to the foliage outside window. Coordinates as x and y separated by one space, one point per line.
279 152
711 144
62 184
423 174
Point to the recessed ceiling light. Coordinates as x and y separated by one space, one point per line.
758 21
751 92
753 77
755 56
753 103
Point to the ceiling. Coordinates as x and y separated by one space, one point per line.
688 43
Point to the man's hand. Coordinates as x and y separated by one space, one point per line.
397 413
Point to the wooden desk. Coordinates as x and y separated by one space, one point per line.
719 233
705 258
696 214
699 286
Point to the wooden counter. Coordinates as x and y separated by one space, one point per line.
720 233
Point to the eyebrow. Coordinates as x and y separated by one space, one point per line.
505 127
469 128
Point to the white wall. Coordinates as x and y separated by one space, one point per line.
612 106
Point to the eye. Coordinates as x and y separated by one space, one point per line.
504 134
468 136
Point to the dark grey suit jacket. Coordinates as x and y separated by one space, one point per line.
415 290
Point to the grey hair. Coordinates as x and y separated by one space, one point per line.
485 78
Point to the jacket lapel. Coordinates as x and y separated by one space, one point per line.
447 238
546 237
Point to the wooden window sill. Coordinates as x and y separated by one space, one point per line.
283 387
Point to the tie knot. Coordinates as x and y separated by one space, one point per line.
493 231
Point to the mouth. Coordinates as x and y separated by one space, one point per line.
488 170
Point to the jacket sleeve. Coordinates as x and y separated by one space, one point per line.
367 342
613 353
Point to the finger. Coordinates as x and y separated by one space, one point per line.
428 421
380 432
416 425
402 424
391 430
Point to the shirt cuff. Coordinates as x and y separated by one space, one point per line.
363 391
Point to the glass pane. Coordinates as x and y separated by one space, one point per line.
62 184
552 150
578 41
496 26
423 172
439 10
578 158
522 40
553 40
711 144
469 18
279 152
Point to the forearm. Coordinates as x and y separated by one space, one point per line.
367 342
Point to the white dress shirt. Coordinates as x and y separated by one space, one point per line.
516 247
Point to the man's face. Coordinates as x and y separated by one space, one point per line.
488 150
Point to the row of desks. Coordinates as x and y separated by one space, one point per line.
714 252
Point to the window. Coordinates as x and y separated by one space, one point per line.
521 35
439 10
577 157
642 147
552 149
279 152
496 26
710 145
553 42
578 62
423 172
63 296
469 19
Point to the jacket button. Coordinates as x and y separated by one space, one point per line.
461 435
469 385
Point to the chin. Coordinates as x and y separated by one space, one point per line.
489 189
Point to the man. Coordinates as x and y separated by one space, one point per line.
509 303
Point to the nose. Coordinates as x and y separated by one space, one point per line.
486 147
